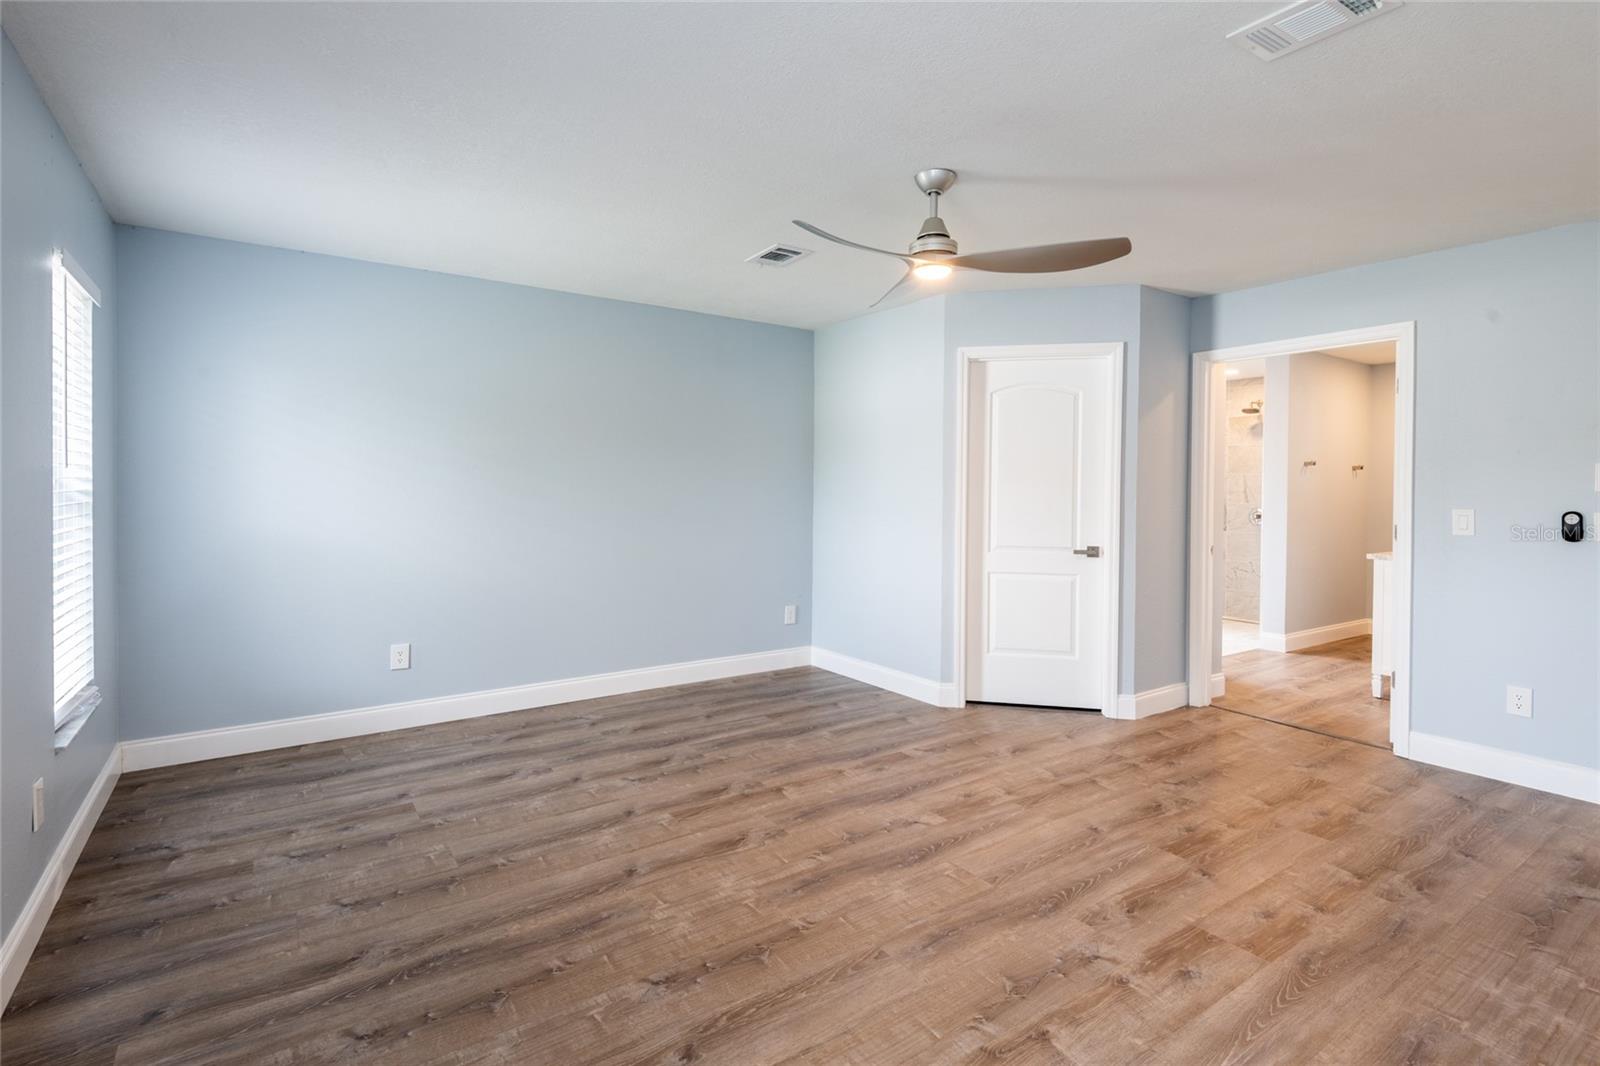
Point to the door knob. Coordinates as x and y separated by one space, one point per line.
1092 551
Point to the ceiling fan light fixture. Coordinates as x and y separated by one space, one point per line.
934 254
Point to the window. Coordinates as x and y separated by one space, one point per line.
72 465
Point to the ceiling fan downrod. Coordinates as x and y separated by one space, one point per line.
934 237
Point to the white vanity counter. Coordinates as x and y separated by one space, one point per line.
1382 620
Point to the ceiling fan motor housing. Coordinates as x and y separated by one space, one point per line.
933 239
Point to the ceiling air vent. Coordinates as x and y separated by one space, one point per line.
1298 25
778 255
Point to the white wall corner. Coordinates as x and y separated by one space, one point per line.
922 689
1153 701
340 725
1219 685
1530 771
30 923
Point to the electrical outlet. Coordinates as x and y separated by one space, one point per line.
400 656
790 615
1463 522
1519 701
38 804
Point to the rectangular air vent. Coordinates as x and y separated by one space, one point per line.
1298 25
778 255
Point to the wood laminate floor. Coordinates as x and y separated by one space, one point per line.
796 868
1327 688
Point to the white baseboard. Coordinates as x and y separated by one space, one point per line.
1219 685
29 926
1310 638
1153 701
339 725
937 693
1530 771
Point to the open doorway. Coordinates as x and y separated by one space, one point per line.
1308 490
1300 546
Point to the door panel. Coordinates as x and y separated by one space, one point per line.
1039 469
1032 462
1033 614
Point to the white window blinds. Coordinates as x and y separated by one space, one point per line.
72 461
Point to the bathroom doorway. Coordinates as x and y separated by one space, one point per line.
1304 495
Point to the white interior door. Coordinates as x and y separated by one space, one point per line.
1040 470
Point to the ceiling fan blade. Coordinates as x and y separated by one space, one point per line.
892 289
825 235
1046 258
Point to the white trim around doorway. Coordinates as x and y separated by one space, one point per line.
1205 496
1115 352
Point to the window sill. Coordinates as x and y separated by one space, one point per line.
74 721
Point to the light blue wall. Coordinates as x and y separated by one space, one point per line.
1507 423
1160 631
887 396
46 203
879 496
322 456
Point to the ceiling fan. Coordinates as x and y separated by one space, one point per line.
933 254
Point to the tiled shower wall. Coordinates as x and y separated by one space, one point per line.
1241 538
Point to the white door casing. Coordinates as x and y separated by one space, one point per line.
1041 469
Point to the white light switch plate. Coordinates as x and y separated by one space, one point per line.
790 615
38 804
1463 522
399 656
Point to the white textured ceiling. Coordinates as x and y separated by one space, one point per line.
642 152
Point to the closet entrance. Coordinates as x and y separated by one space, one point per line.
1300 492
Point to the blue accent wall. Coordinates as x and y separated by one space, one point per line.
46 203
879 497
1507 423
322 457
